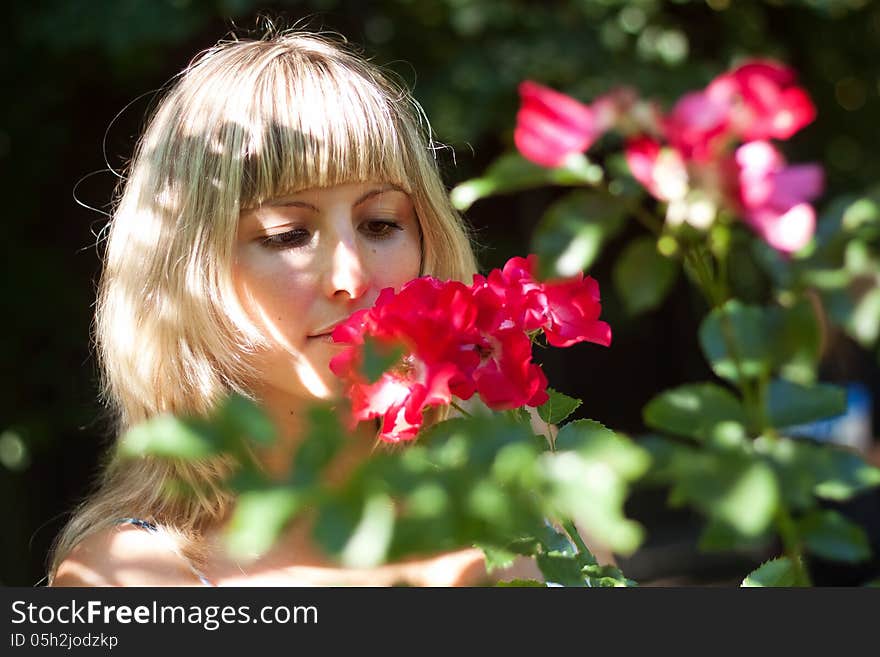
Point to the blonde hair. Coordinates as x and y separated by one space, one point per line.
244 122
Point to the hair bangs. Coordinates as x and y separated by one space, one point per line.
355 135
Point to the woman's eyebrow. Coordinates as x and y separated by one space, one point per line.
283 203
291 203
379 190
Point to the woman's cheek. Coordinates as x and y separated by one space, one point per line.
399 264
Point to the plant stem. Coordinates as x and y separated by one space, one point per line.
716 296
460 409
644 217
791 543
572 530
753 397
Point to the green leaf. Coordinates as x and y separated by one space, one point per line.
806 469
799 341
324 439
789 404
796 463
171 437
776 572
643 277
496 557
553 541
427 500
700 410
561 569
259 517
749 329
338 516
731 488
665 455
369 542
591 492
606 576
830 535
240 418
750 501
863 215
511 172
557 407
595 442
532 583
864 324
572 231
378 358
719 536
845 475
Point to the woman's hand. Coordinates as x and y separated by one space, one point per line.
465 567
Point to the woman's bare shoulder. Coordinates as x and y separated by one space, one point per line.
124 555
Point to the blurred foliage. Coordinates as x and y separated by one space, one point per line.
481 480
72 66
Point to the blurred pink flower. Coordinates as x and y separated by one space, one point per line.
766 102
775 197
660 169
696 123
550 126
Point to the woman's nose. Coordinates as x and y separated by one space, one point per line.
348 273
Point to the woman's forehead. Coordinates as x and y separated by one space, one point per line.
356 192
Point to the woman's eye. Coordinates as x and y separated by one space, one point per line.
291 238
381 229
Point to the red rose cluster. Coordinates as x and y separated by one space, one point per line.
711 151
460 340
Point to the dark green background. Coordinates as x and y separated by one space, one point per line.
78 77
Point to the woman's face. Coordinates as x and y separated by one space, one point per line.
305 262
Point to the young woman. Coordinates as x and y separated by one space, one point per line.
278 187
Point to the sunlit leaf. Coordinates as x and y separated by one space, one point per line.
592 493
170 436
864 323
797 464
806 468
606 576
558 407
593 441
371 538
700 410
512 172
798 338
844 475
572 231
776 572
735 489
497 558
259 518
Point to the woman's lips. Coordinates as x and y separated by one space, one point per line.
326 337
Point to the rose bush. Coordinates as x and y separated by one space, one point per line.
716 185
